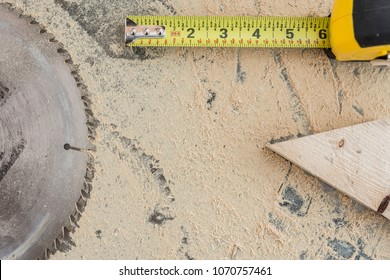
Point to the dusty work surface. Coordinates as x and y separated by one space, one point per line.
181 168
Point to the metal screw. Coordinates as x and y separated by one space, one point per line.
133 32
146 31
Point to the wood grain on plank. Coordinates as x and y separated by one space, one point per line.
354 160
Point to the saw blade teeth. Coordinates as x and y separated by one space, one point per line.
46 254
63 232
73 221
80 85
66 233
91 125
87 188
55 244
84 195
80 205
69 60
62 51
87 101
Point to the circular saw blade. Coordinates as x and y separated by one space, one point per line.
40 111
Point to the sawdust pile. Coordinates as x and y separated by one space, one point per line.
181 168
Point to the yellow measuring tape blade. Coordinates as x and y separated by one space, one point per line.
236 31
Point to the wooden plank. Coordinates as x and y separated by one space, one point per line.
354 160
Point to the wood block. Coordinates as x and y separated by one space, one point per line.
354 160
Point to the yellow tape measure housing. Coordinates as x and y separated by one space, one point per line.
225 31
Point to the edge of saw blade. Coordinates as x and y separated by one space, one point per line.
64 242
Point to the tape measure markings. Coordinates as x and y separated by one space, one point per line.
236 31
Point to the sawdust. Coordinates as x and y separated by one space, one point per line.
181 168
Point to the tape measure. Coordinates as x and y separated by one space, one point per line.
225 31
358 30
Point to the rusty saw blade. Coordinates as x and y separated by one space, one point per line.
41 114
